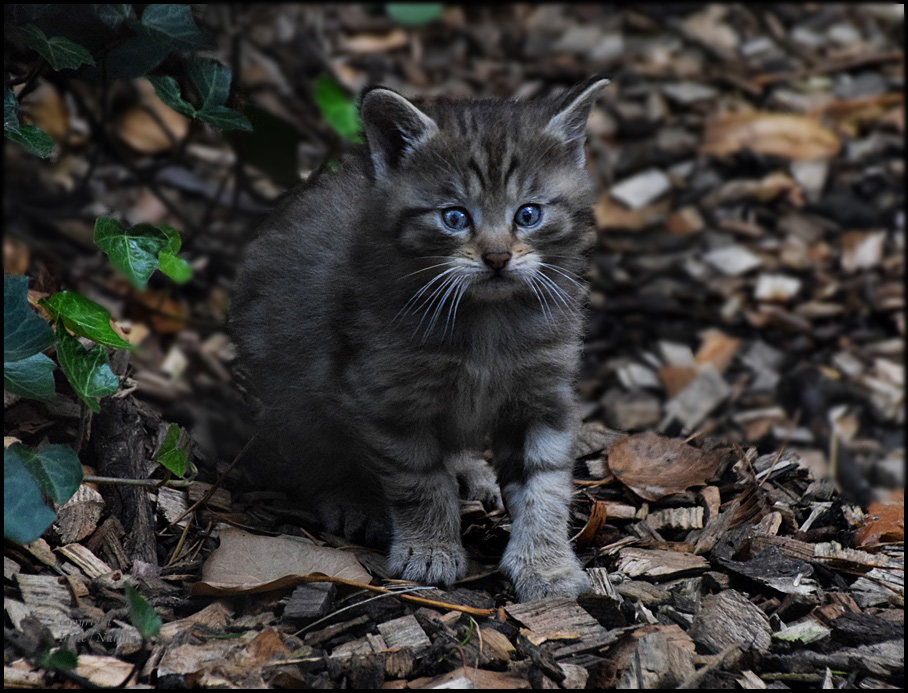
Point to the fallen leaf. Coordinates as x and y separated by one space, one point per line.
246 563
143 131
885 521
611 215
778 134
654 467
373 43
598 516
717 349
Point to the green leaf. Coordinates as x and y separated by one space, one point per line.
113 15
134 252
211 80
173 239
337 108
136 57
169 454
60 52
25 516
10 110
58 659
32 377
24 333
87 370
168 90
84 317
174 25
224 118
35 141
413 14
142 615
55 468
175 267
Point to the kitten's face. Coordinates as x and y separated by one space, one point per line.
489 198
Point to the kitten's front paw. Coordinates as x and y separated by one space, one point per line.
539 580
430 563
477 482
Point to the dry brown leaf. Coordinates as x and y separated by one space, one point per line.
471 677
717 349
777 134
373 43
246 563
676 378
165 315
653 466
885 521
15 256
44 108
611 215
598 516
143 132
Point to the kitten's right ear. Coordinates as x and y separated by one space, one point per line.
393 127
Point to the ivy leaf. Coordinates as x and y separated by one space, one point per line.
85 318
134 252
10 110
136 57
174 267
337 108
87 370
32 377
211 80
55 468
168 90
174 25
170 455
58 659
24 333
413 13
142 615
25 516
113 15
224 118
34 140
60 52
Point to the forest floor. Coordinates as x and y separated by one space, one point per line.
739 501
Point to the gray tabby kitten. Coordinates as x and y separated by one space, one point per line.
395 313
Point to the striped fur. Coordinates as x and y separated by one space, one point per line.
385 355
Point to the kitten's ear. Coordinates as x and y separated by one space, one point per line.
572 111
393 127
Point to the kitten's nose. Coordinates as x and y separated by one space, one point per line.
497 260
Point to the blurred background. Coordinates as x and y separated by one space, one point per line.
748 277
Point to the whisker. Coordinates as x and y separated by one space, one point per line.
557 293
426 269
429 302
441 303
543 303
562 271
463 290
419 293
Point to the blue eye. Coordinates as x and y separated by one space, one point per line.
455 218
528 216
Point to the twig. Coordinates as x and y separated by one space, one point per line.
141 483
353 606
214 487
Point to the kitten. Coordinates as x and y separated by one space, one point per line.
425 295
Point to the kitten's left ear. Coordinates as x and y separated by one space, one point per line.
569 121
393 127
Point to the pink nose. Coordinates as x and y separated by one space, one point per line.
497 260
